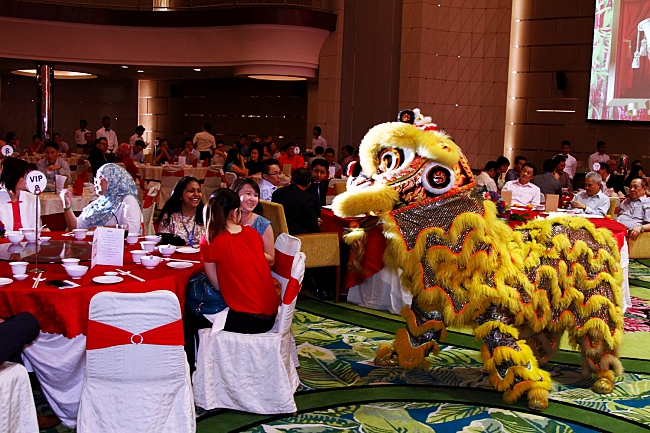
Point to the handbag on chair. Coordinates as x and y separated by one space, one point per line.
202 298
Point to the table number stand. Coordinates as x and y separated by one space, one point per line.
35 183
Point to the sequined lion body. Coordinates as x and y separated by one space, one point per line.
519 289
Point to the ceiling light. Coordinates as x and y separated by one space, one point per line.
277 77
140 70
62 75
125 67
197 69
556 111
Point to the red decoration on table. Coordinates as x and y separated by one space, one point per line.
78 185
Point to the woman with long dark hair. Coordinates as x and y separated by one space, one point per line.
254 164
182 214
235 263
235 163
635 172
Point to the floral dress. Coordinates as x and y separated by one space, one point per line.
185 227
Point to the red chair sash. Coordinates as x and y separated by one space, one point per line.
100 335
283 264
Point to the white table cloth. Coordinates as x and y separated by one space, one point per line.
51 202
154 172
72 160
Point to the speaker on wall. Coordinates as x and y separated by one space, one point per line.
560 80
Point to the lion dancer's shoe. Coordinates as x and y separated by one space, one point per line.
415 342
510 363
599 359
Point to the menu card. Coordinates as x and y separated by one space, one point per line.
507 197
108 247
552 202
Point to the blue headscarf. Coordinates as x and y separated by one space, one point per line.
120 185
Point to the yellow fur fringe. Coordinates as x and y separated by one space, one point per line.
410 357
416 330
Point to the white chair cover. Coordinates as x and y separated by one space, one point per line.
254 373
168 179
17 409
230 178
136 387
212 181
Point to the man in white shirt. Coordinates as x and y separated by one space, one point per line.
137 153
486 176
571 162
599 156
110 135
51 165
271 175
190 153
592 201
219 157
634 212
63 146
80 134
204 142
139 130
524 192
318 140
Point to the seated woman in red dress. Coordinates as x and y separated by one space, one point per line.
235 263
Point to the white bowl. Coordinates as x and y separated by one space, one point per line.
80 234
132 238
166 250
150 262
30 236
44 238
18 267
76 271
153 238
148 246
137 254
110 273
15 237
70 262
28 230
20 277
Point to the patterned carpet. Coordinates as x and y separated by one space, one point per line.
343 391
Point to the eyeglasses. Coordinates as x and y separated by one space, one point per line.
275 173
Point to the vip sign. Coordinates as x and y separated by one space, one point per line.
36 182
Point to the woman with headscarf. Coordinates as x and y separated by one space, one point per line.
117 202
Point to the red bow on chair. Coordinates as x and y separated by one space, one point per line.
101 335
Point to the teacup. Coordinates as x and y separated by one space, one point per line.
18 267
132 238
69 262
80 234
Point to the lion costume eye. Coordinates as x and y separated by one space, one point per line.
390 159
437 179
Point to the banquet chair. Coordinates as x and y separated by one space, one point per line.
254 372
230 178
137 378
168 179
18 413
321 249
213 181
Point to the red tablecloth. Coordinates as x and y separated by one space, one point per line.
373 260
65 311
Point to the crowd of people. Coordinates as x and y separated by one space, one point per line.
603 180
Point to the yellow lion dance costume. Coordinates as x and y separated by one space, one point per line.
519 289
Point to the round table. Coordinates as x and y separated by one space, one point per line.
51 202
57 356
154 172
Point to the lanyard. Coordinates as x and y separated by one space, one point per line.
190 237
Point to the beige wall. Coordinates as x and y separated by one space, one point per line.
71 100
553 36
325 96
454 67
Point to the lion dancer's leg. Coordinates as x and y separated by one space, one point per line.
424 329
599 359
510 362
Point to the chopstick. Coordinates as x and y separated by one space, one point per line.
121 272
180 260
37 280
